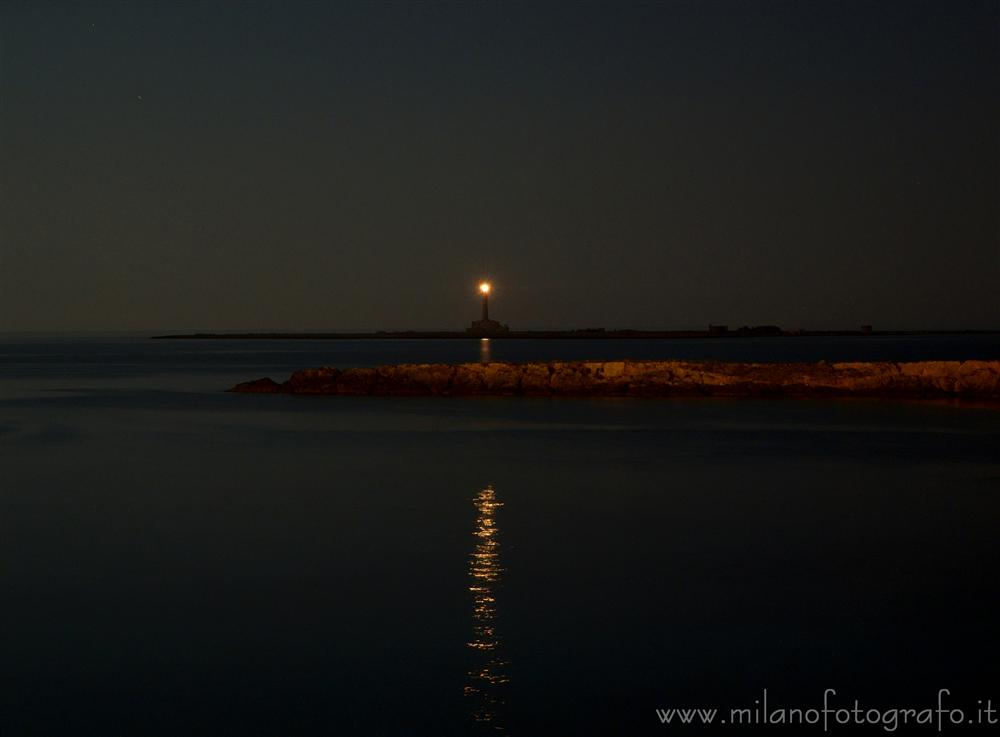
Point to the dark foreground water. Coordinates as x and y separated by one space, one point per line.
175 560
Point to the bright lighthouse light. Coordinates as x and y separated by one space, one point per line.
484 287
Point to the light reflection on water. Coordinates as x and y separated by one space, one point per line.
487 677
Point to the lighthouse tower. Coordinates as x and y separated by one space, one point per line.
484 289
485 327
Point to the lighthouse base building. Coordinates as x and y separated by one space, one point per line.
486 328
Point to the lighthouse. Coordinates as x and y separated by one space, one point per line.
484 289
485 327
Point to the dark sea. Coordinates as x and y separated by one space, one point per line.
177 560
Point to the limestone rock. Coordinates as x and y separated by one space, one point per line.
973 379
258 386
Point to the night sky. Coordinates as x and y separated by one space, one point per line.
207 166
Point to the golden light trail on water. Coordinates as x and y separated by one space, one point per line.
486 678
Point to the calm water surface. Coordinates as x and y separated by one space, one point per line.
178 560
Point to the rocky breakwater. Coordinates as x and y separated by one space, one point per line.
920 379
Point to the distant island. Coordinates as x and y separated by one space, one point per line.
714 331
917 379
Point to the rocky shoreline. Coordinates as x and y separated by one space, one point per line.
918 379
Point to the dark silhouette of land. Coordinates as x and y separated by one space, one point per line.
762 331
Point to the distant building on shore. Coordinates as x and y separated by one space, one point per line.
485 327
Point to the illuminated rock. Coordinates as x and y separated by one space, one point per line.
260 386
971 379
